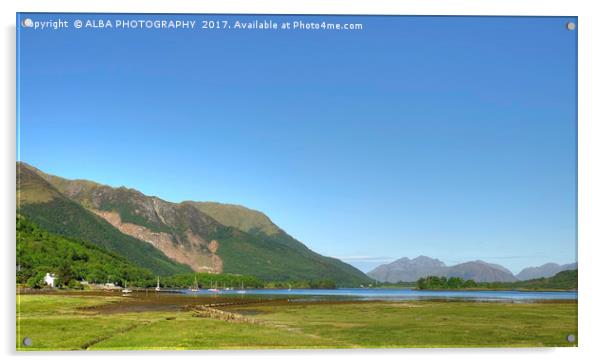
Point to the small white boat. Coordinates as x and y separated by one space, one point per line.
242 289
195 286
213 289
125 289
158 288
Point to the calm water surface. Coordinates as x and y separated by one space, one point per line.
391 294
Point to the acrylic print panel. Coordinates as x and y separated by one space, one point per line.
193 181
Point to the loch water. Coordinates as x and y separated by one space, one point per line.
363 294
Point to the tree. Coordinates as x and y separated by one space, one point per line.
36 281
470 283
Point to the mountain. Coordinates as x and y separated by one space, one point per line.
410 270
480 271
44 205
544 271
204 237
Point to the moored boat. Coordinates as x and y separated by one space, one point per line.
125 289
195 286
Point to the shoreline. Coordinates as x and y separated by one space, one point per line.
28 290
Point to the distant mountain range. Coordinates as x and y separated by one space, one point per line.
544 271
169 238
410 270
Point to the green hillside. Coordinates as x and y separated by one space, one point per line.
263 230
332 268
238 217
44 205
249 254
562 280
40 252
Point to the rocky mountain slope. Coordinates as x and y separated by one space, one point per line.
204 237
44 205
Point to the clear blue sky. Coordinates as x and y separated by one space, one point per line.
448 137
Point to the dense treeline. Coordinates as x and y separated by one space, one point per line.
433 282
566 280
71 260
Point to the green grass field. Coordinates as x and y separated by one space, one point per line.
432 324
80 322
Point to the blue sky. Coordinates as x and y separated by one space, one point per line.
441 136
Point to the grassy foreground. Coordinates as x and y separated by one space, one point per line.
88 322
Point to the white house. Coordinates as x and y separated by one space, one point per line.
49 279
